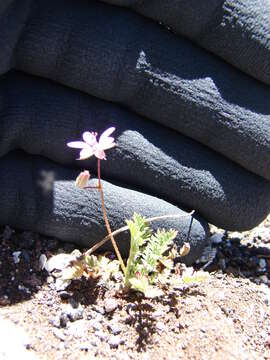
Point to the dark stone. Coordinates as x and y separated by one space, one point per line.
63 320
25 256
27 239
64 295
252 262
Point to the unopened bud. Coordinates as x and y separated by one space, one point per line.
82 179
185 249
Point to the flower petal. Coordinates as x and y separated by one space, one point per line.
86 153
89 138
107 143
77 144
105 137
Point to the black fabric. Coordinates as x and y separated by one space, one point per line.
119 56
40 117
236 30
13 17
40 195
192 131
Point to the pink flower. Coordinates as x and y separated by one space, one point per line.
90 146
82 179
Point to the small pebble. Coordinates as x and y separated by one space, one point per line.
262 263
261 271
74 303
130 307
24 288
63 320
84 346
96 325
110 304
160 326
158 313
115 329
16 256
74 314
42 261
228 243
115 341
101 335
61 285
216 238
76 329
264 279
64 295
50 280
89 316
93 342
99 309
61 346
25 255
58 262
58 333
4 300
55 322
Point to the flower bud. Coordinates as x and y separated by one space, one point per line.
82 179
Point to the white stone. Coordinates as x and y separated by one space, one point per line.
262 263
42 261
59 262
160 326
216 238
264 279
16 256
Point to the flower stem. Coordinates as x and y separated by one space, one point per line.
107 221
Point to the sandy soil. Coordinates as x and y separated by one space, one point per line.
226 316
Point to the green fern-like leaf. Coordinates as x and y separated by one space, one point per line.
146 253
139 230
156 247
140 233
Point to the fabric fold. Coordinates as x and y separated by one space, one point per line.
238 31
116 55
40 117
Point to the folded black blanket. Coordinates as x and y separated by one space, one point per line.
116 55
40 117
192 130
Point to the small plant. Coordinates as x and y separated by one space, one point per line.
147 258
151 255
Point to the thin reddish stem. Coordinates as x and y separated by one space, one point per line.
107 221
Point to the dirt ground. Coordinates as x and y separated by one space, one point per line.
226 316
